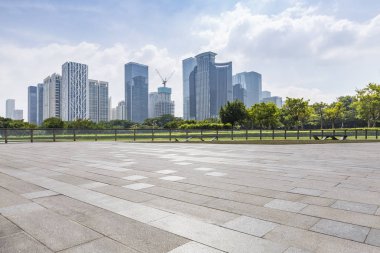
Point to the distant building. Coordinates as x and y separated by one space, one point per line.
52 96
208 86
40 103
136 91
252 83
276 100
32 104
160 102
120 111
265 94
239 93
113 114
18 114
188 66
9 108
98 104
74 91
109 109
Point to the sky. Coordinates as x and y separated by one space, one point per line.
316 49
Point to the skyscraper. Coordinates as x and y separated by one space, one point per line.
239 93
188 66
98 101
136 91
208 84
40 103
160 102
9 108
120 111
74 91
32 104
18 114
251 82
52 96
265 94
276 100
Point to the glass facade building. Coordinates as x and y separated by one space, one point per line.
160 102
188 66
52 96
40 103
136 91
252 83
276 100
98 104
239 93
74 91
32 104
10 108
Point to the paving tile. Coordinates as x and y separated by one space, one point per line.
124 193
250 225
215 236
355 207
93 185
8 198
194 247
342 230
166 171
100 246
21 243
134 177
296 250
172 178
373 237
49 228
285 205
7 227
183 163
318 201
39 194
138 186
216 174
204 169
305 191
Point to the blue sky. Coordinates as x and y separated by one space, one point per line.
315 49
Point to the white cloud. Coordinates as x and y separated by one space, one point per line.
24 66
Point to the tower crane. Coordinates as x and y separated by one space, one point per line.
166 79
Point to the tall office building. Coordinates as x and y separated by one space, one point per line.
74 91
40 103
209 86
9 108
97 101
276 100
188 66
265 94
251 82
18 114
239 93
160 102
136 91
52 96
109 109
32 104
120 111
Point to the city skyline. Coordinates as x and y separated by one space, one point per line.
302 48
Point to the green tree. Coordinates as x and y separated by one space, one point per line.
368 104
334 112
319 109
81 124
53 123
265 115
233 113
349 116
296 112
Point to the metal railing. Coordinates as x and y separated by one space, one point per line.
176 135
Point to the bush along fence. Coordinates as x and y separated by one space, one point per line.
181 135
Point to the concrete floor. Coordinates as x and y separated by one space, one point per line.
201 198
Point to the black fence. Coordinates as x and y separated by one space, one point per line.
179 135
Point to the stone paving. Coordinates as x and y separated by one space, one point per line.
185 198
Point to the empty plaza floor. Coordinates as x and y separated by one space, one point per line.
189 198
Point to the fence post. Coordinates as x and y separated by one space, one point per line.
232 133
115 134
217 134
134 134
334 132
152 134
261 134
298 134
53 135
322 133
273 134
5 135
345 131
246 134
356 134
201 134
376 134
31 135
366 134
285 134
75 137
187 133
310 134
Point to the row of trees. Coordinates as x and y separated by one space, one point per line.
360 110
